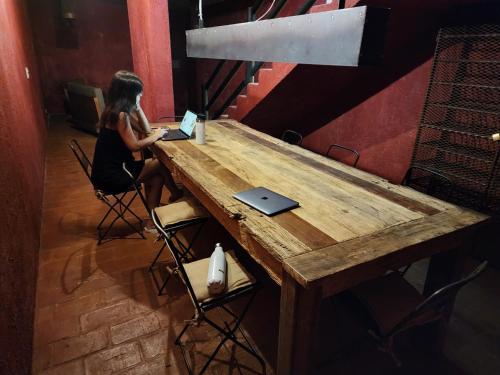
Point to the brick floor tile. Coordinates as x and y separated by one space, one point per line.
113 360
155 344
160 366
70 368
109 315
56 329
41 358
74 347
134 328
79 306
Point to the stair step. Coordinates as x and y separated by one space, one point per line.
224 115
232 107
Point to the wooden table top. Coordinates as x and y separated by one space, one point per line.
347 218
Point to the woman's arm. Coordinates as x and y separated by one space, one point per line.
125 130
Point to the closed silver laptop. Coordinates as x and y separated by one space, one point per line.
266 201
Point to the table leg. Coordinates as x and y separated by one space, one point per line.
299 315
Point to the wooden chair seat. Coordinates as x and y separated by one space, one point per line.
236 277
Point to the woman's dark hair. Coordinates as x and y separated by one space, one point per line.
122 94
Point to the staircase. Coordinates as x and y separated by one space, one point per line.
262 79
266 79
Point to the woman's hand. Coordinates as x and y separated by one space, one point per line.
159 133
138 102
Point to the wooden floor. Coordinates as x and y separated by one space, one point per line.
97 311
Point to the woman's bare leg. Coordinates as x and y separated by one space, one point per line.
155 174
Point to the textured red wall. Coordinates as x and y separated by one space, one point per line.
152 57
375 110
92 47
22 153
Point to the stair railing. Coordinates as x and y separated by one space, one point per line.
252 67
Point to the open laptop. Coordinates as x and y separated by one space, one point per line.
266 201
185 130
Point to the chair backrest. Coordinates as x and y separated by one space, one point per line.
176 254
435 179
344 148
82 158
292 137
439 300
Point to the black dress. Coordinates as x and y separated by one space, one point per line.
109 156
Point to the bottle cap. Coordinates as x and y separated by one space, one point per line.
496 137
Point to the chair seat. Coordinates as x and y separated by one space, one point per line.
178 212
237 277
388 300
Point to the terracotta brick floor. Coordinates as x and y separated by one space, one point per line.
97 311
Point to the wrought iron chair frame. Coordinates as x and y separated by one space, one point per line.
201 308
170 230
335 145
118 204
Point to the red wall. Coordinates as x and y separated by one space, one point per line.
375 110
152 57
92 47
22 153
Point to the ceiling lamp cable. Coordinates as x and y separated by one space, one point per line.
267 11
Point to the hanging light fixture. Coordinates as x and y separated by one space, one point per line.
345 37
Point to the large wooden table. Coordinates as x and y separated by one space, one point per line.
351 226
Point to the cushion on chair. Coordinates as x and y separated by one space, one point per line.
178 212
237 277
388 299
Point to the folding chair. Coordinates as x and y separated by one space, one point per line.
116 202
239 283
173 218
344 148
395 306
292 137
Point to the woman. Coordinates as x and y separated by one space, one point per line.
117 141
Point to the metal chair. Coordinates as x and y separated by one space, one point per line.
116 202
395 306
344 148
292 137
173 217
428 182
239 283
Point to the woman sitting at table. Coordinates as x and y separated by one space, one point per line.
117 141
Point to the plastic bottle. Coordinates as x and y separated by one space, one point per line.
216 280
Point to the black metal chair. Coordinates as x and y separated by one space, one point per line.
292 137
428 182
116 202
239 283
344 148
173 217
394 306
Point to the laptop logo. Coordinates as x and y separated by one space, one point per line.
264 198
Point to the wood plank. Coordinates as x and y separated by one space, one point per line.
341 263
305 232
374 188
336 207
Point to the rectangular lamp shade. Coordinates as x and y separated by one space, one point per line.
345 37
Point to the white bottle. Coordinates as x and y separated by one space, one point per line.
200 131
216 280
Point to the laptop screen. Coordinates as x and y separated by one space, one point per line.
188 123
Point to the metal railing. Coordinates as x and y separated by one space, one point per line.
252 67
